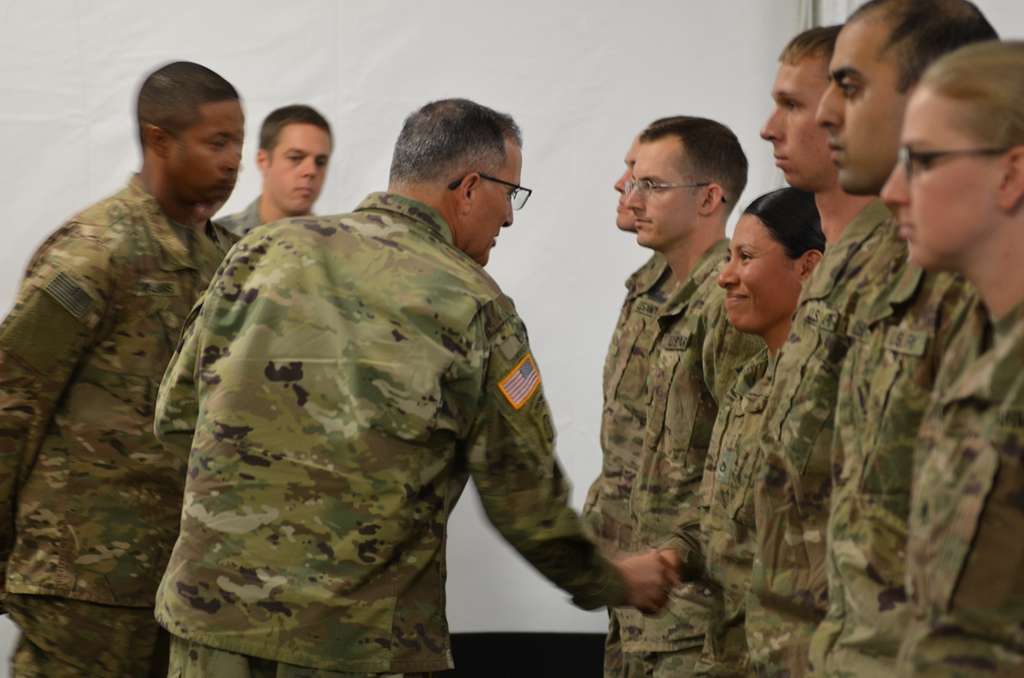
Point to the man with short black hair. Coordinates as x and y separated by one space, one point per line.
335 391
904 322
688 176
295 147
91 499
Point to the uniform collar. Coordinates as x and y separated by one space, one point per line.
875 215
988 375
411 209
172 238
705 267
646 277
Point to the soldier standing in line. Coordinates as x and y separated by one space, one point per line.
624 414
774 249
91 498
957 191
789 594
295 148
907 321
342 380
689 173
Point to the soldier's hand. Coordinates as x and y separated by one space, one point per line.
649 577
674 563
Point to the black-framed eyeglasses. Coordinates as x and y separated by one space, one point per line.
517 196
645 187
922 161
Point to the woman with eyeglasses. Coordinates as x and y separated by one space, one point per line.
777 243
958 193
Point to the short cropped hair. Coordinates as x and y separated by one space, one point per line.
170 96
792 219
923 30
987 79
818 42
295 114
712 150
450 137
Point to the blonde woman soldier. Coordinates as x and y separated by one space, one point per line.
958 191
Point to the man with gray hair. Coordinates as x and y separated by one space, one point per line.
343 379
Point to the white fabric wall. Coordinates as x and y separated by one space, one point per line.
580 77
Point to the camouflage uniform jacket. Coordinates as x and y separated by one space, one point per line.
965 565
625 404
788 587
242 222
344 377
884 388
697 356
91 499
727 514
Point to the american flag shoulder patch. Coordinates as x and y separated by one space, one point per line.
519 385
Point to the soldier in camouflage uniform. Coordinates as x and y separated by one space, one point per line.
688 174
342 380
965 560
901 331
625 405
91 499
295 148
787 587
775 247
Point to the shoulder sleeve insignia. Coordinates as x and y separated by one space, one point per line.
69 295
519 385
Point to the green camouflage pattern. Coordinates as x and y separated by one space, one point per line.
623 418
624 414
727 514
240 223
192 660
884 389
64 638
659 664
788 587
965 557
342 379
697 356
90 498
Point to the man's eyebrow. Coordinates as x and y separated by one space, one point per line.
842 73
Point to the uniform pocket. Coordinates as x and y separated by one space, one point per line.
959 482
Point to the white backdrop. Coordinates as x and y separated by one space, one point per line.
581 77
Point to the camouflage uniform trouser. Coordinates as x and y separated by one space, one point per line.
613 666
192 660
677 664
64 638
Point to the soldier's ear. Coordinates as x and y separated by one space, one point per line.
1011 191
712 197
807 262
262 161
157 140
468 193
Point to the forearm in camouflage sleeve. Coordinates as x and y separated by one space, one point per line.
522 487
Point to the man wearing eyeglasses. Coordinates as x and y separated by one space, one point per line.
902 326
689 173
624 414
354 371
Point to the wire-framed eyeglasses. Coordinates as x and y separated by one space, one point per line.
518 195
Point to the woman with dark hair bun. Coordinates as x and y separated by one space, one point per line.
777 243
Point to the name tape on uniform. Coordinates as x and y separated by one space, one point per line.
519 385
